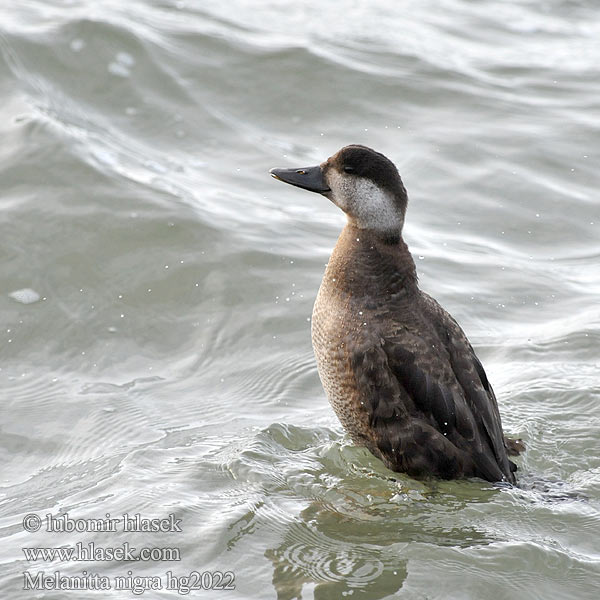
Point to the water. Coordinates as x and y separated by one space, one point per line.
156 287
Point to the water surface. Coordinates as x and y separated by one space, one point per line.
156 286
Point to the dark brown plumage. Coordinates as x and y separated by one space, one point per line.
397 368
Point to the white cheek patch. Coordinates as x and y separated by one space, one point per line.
365 202
375 208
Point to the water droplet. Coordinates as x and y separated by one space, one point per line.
77 45
116 68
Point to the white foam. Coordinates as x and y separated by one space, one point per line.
25 296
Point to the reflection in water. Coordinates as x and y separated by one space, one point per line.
354 518
331 566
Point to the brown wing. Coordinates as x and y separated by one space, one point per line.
480 396
421 420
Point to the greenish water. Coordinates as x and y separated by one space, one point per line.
156 287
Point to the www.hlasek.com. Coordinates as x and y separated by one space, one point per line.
91 551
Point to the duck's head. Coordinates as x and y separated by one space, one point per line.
363 183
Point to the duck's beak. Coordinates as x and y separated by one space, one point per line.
307 178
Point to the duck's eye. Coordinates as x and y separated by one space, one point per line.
348 169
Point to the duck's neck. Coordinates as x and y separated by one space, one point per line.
367 262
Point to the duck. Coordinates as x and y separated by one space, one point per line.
397 368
